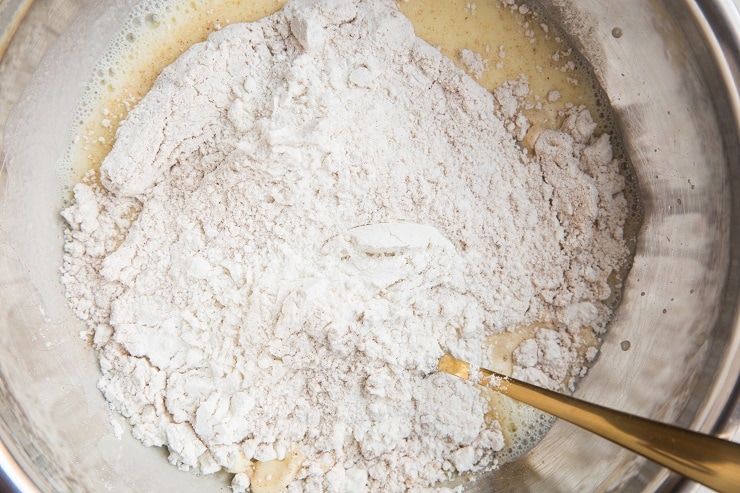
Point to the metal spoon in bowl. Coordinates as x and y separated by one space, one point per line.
705 459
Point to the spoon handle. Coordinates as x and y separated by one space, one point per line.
705 459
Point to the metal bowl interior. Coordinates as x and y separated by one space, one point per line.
671 78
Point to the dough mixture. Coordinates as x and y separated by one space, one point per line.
298 220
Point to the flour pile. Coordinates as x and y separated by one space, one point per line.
299 219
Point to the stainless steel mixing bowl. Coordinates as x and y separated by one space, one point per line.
670 69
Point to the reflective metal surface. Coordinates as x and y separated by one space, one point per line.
12 13
672 79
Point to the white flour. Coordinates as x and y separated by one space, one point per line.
300 218
473 62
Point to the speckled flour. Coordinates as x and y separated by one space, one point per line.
300 218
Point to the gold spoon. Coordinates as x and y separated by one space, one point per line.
705 459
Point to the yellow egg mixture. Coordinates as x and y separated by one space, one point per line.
512 40
511 43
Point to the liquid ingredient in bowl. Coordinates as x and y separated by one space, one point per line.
300 218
